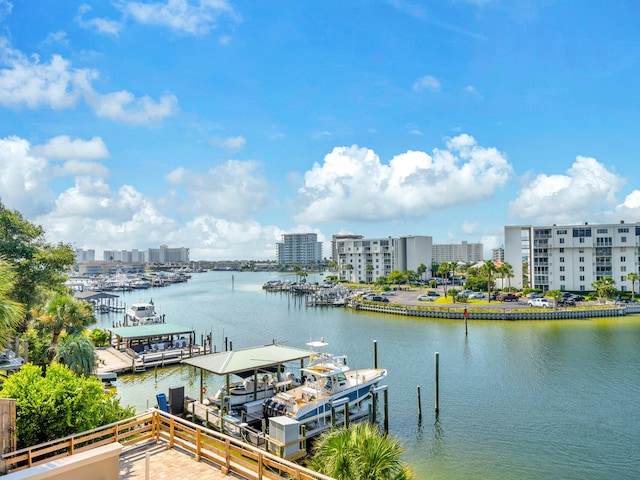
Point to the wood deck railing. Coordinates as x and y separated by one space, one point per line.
230 454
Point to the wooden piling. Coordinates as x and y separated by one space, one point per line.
375 354
437 389
419 405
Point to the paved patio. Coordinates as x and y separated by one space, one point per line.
166 464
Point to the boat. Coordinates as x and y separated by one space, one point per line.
142 314
253 387
327 381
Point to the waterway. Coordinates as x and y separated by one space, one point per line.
518 400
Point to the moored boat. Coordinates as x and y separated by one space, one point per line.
142 314
327 381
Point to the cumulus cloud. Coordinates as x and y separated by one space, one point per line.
180 15
23 177
101 25
233 189
426 83
5 9
27 82
230 143
587 187
63 147
353 185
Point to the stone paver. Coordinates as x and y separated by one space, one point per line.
166 464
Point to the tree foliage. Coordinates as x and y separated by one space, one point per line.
605 287
77 352
59 404
10 312
359 452
39 266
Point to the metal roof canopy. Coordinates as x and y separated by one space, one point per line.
151 330
93 295
239 361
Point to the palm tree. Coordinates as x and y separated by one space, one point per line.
506 270
64 313
359 452
422 268
605 287
349 268
633 278
10 312
77 352
487 270
369 269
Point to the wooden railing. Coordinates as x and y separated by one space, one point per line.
230 454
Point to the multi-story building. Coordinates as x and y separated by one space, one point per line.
85 255
299 249
572 257
457 252
367 259
338 237
164 254
497 254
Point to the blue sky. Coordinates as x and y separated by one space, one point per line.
220 125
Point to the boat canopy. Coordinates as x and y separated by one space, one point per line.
240 362
150 330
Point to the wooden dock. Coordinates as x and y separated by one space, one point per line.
112 360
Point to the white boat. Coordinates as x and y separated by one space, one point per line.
327 380
248 390
142 314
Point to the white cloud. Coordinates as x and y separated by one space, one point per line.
353 185
23 177
5 9
587 187
63 147
32 84
57 38
230 143
472 90
180 15
469 227
233 189
101 25
426 83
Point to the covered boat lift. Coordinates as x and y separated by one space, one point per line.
246 362
146 334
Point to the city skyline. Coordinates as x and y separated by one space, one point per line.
222 125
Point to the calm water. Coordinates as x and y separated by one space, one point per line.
518 400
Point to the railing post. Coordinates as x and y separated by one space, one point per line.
171 432
260 466
198 443
227 454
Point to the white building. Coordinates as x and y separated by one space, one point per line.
368 259
457 252
85 255
572 257
299 249
164 254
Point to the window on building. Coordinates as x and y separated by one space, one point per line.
582 269
582 278
581 250
623 268
562 268
601 230
581 259
623 259
561 259
623 239
582 288
623 230
581 240
561 249
562 280
562 240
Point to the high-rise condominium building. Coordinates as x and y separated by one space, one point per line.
457 252
367 259
299 249
572 257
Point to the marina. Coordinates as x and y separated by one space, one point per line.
529 399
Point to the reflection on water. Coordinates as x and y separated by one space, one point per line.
535 400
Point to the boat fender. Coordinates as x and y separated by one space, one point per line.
204 390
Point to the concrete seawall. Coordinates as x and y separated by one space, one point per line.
457 313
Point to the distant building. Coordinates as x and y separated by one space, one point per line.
299 249
367 259
572 257
85 255
164 254
497 254
457 252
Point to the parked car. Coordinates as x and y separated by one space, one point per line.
388 293
433 294
577 298
566 302
428 298
534 295
379 298
507 297
465 293
540 303
476 296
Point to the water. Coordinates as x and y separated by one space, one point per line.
518 400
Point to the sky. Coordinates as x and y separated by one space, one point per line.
220 125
